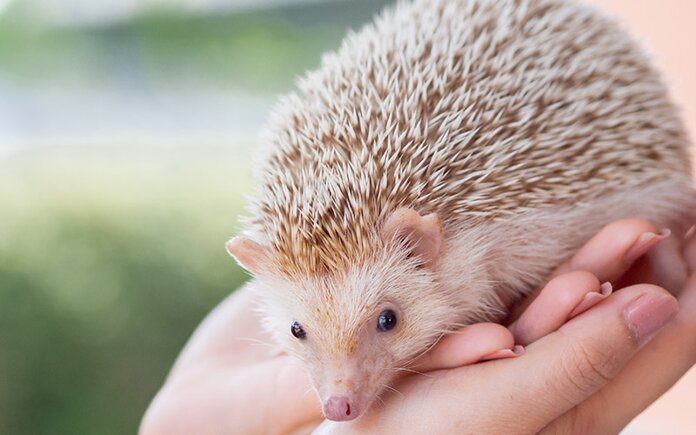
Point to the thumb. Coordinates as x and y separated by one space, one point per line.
564 368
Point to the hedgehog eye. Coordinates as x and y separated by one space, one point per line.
386 320
298 331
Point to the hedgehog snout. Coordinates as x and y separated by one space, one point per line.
338 408
345 391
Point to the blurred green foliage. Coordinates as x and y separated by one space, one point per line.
107 263
110 257
259 51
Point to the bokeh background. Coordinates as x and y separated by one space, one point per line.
126 128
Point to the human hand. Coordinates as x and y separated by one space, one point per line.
230 379
227 381
573 371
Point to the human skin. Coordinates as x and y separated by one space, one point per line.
227 380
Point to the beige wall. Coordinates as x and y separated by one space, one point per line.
668 29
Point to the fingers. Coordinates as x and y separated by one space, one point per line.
669 269
467 346
610 253
607 255
561 299
563 369
652 371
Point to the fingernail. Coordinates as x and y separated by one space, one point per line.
505 353
648 314
645 241
591 299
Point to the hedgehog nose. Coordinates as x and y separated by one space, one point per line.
337 408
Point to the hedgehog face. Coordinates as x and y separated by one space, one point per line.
355 330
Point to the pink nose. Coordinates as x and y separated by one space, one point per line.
337 408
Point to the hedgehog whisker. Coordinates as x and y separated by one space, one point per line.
255 341
447 331
308 390
405 369
424 352
390 388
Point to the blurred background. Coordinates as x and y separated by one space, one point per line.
125 133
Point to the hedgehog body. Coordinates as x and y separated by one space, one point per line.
467 109
524 126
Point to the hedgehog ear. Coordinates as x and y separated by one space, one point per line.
422 234
252 256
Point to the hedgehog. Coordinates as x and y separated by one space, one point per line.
435 169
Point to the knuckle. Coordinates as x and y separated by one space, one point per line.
588 366
588 279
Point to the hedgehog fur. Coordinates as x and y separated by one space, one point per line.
479 109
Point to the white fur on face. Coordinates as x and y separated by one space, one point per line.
344 352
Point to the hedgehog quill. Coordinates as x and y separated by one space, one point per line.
437 167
